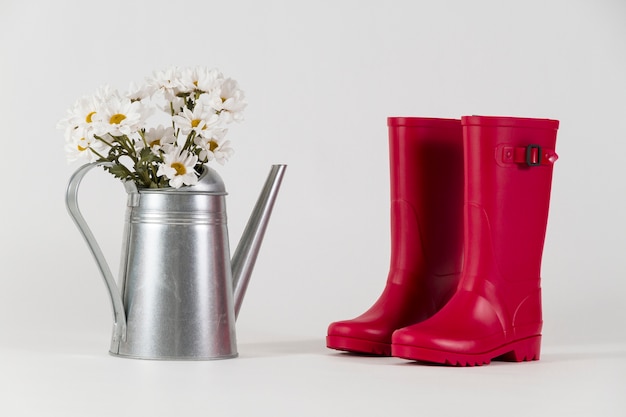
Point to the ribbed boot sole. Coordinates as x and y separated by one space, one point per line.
523 350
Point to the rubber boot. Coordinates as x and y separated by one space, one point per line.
426 174
496 311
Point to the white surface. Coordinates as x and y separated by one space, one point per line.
302 378
321 77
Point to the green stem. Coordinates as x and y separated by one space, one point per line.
96 152
101 139
142 133
190 138
126 145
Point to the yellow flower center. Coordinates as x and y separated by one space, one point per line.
213 145
180 168
154 143
195 122
116 119
89 116
80 148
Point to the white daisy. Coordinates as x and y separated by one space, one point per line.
201 118
104 93
178 166
167 81
214 147
81 144
229 100
173 106
117 115
157 137
138 92
200 79
79 115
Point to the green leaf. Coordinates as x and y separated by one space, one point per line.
119 171
146 156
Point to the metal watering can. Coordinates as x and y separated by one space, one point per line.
179 293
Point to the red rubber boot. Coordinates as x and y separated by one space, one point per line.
496 312
426 167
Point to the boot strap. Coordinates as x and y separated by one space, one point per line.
531 155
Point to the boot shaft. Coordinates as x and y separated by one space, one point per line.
426 184
508 176
425 154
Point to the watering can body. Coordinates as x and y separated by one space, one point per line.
176 282
179 294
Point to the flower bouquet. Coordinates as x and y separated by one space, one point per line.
197 104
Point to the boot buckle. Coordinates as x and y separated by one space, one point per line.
533 155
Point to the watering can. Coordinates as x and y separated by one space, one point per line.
179 292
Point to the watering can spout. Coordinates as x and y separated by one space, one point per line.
247 250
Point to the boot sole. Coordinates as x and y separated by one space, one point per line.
362 346
523 350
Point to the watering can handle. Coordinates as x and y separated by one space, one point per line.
71 200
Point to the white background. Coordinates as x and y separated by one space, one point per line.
321 78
